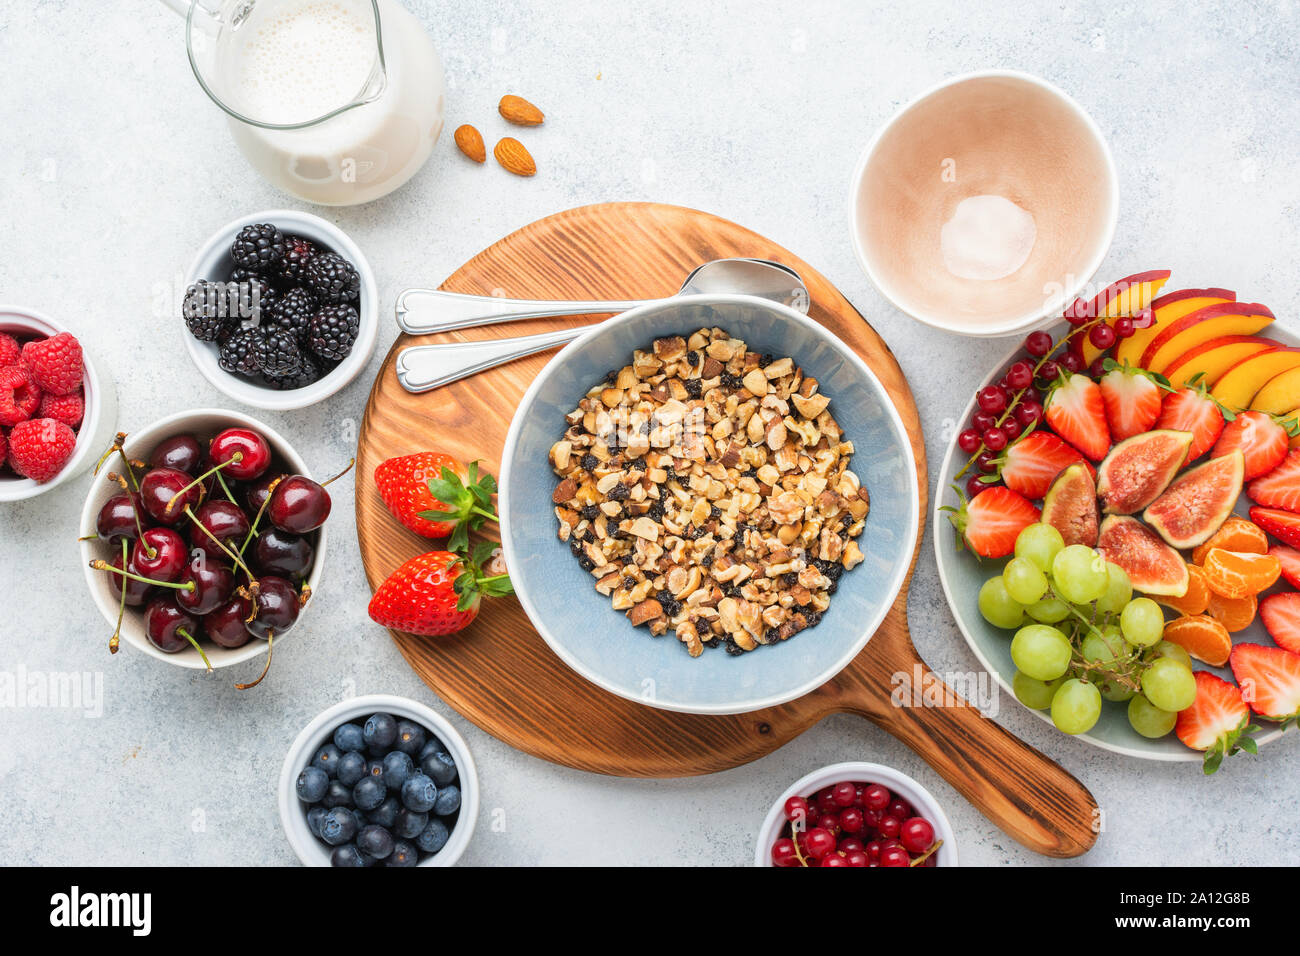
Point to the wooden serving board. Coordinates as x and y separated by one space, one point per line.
502 676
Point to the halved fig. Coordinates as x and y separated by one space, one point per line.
1151 565
1070 505
1199 500
1139 468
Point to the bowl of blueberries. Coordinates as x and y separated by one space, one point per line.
379 781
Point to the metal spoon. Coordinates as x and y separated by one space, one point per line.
421 368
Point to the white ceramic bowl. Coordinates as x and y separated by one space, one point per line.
213 262
205 423
993 133
293 812
900 783
97 425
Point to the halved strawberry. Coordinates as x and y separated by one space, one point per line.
1192 410
1261 439
1280 488
1076 412
1282 525
1031 463
991 521
1289 558
1217 721
1280 614
1132 400
1269 678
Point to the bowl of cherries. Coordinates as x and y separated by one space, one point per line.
856 814
203 538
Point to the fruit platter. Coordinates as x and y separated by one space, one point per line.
1117 538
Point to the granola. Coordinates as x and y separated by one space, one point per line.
707 490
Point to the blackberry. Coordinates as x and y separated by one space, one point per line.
205 311
293 311
589 462
730 381
693 387
590 512
332 331
258 248
305 375
252 299
297 253
279 355
332 278
239 353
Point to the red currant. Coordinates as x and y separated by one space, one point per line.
1072 362
851 820
1012 429
856 858
995 439
1077 313
870 817
983 421
818 842
830 822
1029 413
849 844
1020 375
783 853
1038 344
917 835
873 849
889 826
826 801
992 399
843 793
1102 336
796 808
876 797
833 859
973 487
1049 370
1098 368
987 462
1124 327
898 808
895 856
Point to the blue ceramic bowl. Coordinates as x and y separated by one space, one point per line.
599 642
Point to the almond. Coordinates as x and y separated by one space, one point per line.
514 158
470 142
517 110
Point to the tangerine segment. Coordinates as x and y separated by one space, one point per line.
1197 597
1235 534
1203 637
1233 574
1233 613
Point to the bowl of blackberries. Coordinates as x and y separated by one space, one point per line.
378 781
203 539
279 309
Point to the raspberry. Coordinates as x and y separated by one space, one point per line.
55 363
19 396
68 409
40 447
4 449
10 350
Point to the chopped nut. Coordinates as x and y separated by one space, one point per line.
645 611
564 491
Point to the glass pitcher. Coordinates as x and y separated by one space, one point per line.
335 101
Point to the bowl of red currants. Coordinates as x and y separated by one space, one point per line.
856 814
203 539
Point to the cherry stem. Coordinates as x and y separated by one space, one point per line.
252 581
118 441
351 462
270 638
115 640
252 531
225 487
195 644
215 469
99 564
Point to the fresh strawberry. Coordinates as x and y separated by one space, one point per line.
1280 614
10 350
436 593
69 409
19 396
1076 412
1269 678
1192 410
1280 488
1289 558
991 521
1217 721
1282 525
1132 400
435 495
40 447
1261 439
56 363
1031 463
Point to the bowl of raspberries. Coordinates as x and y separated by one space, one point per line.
56 413
280 310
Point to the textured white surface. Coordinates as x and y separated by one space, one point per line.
114 168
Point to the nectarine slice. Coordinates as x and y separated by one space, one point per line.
1211 359
1237 387
1197 328
1280 394
1124 297
1169 308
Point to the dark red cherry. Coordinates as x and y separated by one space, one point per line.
159 486
277 607
181 452
213 584
223 520
283 554
255 494
137 592
250 448
160 554
117 520
164 620
224 625
298 505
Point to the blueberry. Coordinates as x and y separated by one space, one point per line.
434 746
362 820
409 823
337 795
349 737
350 768
385 815
312 784
404 854
440 767
380 731
369 793
338 826
397 767
327 759
375 768
448 801
375 841
419 793
433 837
346 856
410 737
314 817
